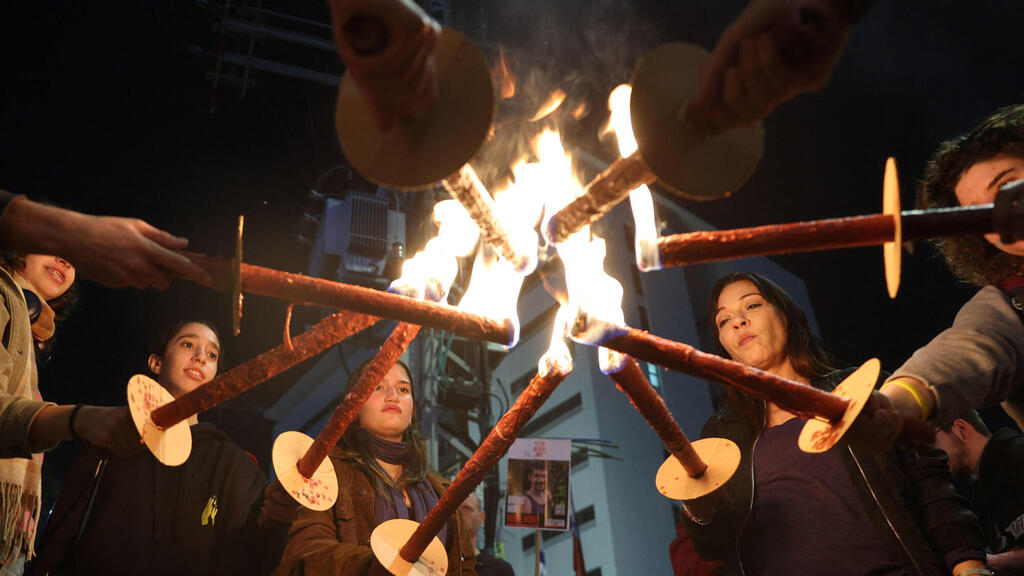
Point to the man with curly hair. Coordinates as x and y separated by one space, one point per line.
979 360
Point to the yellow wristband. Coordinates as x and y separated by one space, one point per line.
913 392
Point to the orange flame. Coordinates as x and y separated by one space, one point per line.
554 100
503 77
640 199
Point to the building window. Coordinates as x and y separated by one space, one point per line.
653 375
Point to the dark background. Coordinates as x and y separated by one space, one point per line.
106 110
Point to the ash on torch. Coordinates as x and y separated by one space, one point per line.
694 469
829 415
301 462
161 420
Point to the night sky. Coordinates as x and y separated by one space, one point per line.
106 110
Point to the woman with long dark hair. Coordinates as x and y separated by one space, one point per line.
382 475
840 512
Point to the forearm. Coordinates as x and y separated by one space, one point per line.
50 427
1011 561
911 397
28 226
966 567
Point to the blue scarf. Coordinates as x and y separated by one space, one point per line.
422 497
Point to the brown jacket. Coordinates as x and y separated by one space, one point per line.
337 541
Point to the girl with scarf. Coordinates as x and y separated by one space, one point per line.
382 475
34 293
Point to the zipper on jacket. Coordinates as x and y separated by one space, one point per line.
884 513
750 508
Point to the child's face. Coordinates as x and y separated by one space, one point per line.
189 361
979 185
51 276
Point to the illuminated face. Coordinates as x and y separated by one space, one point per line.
189 361
538 480
388 412
50 276
979 184
750 329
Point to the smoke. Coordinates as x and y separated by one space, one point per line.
583 48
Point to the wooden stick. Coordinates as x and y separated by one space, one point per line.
631 380
466 187
323 335
317 291
803 400
347 411
487 455
602 194
830 234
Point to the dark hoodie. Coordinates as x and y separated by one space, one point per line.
147 518
1000 490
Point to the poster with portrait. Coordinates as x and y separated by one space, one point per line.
537 486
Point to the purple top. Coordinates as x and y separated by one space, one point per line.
807 516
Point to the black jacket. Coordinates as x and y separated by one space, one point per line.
907 494
1000 490
147 518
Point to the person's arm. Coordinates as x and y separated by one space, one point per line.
1010 562
974 363
773 51
946 518
388 49
108 428
113 251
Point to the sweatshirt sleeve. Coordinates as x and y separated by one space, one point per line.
977 361
946 517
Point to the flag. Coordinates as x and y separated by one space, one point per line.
578 567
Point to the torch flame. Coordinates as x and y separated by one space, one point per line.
503 77
430 273
558 356
493 289
590 288
554 100
640 199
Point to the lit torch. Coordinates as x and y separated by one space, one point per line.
404 546
301 462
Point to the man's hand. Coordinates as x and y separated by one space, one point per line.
773 51
388 48
113 251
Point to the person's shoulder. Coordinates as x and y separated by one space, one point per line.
989 300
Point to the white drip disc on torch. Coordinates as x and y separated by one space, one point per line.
317 493
820 435
893 251
722 457
388 538
171 446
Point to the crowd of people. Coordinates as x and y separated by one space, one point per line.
870 506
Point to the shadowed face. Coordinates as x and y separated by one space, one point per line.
388 412
979 185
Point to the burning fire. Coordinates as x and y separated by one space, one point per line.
430 273
590 289
647 256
